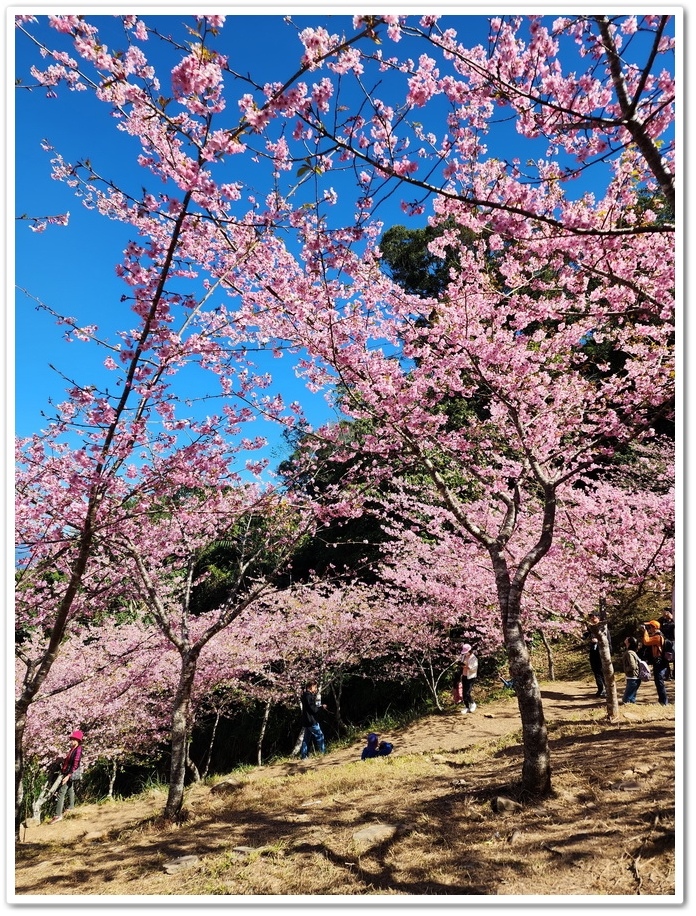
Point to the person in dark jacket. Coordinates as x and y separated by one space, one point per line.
376 748
312 730
666 622
68 768
594 656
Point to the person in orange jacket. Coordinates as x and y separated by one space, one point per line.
654 641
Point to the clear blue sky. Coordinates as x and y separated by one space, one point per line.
72 269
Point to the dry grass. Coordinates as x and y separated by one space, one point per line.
608 829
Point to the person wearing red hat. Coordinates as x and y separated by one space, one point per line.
654 642
68 769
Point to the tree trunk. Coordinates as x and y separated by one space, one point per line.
181 715
20 724
47 791
336 691
298 742
190 765
549 654
602 634
426 670
210 745
112 778
262 732
536 768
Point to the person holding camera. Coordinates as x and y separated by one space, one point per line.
653 641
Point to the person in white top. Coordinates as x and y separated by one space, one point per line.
469 673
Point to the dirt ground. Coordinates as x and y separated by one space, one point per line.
290 828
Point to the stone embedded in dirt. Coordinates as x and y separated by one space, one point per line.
249 850
227 786
625 785
375 833
312 802
503 805
459 783
180 864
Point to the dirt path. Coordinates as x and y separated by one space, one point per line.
119 849
449 732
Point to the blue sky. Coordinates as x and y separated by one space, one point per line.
72 269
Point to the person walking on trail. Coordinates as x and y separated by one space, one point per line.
69 768
311 706
468 672
630 667
654 641
595 657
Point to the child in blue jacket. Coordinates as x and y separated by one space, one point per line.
376 748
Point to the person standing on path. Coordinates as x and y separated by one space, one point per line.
68 768
666 622
654 641
630 666
312 730
469 672
595 656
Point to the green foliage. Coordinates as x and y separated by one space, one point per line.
228 566
344 548
411 264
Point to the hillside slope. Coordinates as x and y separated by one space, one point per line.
300 827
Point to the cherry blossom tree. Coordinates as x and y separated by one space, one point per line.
162 548
112 682
614 543
588 95
136 436
513 344
317 629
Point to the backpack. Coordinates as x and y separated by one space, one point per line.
668 650
644 672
